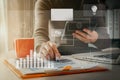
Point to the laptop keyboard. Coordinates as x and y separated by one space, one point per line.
109 56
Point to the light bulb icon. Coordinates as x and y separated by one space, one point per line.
94 9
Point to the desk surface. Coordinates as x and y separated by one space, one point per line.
113 74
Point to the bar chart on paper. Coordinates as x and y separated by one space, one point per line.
33 64
33 61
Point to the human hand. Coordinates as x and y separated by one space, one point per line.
87 37
49 51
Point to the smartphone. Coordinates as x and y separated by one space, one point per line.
80 25
72 26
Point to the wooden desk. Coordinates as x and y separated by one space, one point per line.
113 74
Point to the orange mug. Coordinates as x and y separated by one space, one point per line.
23 47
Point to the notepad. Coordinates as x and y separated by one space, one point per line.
23 46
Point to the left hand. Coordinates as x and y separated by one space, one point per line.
87 37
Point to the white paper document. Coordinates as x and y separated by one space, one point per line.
57 65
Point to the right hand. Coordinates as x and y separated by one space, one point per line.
49 51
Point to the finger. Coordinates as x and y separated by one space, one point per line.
87 36
48 57
55 50
52 48
50 51
88 31
92 35
57 53
44 52
42 56
81 34
80 38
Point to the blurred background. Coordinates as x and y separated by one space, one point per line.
16 21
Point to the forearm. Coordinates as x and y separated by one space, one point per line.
39 39
41 25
